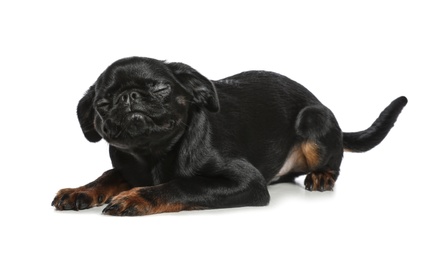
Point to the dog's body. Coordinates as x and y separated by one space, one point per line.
173 149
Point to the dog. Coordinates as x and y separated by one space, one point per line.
179 141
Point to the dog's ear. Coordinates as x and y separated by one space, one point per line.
86 115
202 89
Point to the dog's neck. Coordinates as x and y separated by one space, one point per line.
195 146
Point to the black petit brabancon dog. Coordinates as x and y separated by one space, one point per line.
179 141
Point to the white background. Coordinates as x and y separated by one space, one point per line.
356 57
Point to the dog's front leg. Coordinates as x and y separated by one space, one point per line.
93 194
235 184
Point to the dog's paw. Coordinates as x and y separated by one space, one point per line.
77 199
142 201
320 181
128 203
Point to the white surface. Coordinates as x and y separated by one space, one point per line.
356 58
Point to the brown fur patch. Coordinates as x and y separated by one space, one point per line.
303 158
134 203
310 152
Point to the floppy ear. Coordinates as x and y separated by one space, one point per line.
86 115
202 89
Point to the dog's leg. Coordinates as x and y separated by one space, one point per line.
321 147
233 184
93 194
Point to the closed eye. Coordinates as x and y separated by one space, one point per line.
161 89
102 104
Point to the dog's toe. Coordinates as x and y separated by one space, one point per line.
75 199
123 207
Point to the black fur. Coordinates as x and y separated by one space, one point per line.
180 141
365 140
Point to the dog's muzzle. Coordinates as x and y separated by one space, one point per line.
133 124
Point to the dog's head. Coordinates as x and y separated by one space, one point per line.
138 102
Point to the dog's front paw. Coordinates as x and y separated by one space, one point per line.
320 181
143 201
77 199
128 203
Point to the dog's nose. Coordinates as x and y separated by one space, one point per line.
129 96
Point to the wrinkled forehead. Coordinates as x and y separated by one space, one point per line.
135 69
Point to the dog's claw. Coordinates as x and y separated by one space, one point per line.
109 208
308 187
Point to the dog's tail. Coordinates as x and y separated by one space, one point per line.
366 140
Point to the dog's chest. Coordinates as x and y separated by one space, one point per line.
142 172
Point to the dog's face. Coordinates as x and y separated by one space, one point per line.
143 103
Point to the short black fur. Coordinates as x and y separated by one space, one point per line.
179 141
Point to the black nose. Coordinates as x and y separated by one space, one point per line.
128 96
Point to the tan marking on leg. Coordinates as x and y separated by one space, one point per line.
310 152
133 203
303 157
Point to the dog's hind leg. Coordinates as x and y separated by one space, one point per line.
320 147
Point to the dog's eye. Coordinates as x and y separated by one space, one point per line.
161 89
102 104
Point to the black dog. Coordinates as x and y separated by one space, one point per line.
179 141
